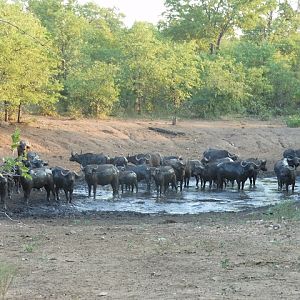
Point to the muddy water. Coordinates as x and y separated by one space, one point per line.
189 201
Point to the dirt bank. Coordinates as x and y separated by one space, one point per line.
54 139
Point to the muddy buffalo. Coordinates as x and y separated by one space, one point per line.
101 175
89 159
64 179
214 154
163 177
38 178
285 170
128 179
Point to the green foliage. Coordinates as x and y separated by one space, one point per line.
293 121
30 247
223 89
28 62
205 59
93 89
10 163
7 274
211 21
15 138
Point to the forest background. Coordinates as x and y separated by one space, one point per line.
204 59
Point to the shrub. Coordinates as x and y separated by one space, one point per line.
293 121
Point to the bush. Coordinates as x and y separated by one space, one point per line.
293 121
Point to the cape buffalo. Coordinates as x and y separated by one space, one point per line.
39 177
101 175
89 159
64 179
260 165
143 172
237 170
128 179
285 170
214 154
193 168
163 176
6 184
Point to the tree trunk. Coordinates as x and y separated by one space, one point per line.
138 106
174 119
19 113
5 111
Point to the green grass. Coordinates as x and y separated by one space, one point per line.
7 274
30 247
225 263
287 210
293 121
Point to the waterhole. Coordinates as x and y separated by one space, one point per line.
189 201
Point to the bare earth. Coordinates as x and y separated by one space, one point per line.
132 256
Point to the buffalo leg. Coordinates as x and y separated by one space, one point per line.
47 188
57 193
94 190
89 189
67 195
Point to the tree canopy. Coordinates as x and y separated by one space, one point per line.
205 58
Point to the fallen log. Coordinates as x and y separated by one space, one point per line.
166 131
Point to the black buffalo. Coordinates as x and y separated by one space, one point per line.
179 167
101 175
238 171
90 159
209 171
128 179
138 159
22 148
214 154
194 168
163 177
64 179
143 172
285 170
260 165
33 160
119 161
6 184
39 177
290 153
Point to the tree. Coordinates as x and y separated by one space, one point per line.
28 62
181 74
93 89
223 89
140 65
209 21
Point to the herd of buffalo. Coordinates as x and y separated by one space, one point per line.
218 167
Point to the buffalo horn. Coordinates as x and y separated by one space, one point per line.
63 173
138 159
244 163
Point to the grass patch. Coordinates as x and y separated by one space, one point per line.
287 210
225 263
7 274
30 247
293 121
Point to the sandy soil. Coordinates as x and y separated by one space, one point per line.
132 256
